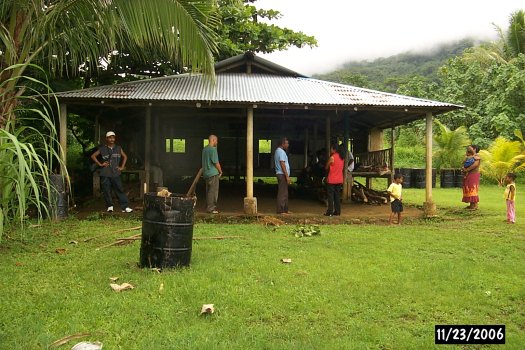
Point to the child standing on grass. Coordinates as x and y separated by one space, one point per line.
396 204
510 197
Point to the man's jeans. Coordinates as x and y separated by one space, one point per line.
113 182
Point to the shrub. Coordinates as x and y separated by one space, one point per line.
502 157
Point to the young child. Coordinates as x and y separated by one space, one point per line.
510 197
469 159
396 204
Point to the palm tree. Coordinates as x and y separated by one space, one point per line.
502 157
62 36
450 146
509 45
516 33
65 34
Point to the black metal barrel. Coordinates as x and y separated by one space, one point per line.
407 176
447 178
419 178
167 231
59 197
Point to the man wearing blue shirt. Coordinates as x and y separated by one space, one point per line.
211 171
282 171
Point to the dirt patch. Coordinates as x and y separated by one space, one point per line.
303 210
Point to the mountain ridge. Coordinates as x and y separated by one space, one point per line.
387 73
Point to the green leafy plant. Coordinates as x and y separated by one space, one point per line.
449 146
502 157
28 152
519 135
73 36
69 37
244 28
306 231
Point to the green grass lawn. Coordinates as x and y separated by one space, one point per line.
353 287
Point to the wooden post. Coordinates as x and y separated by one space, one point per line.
315 143
237 145
347 187
249 153
429 207
97 129
157 140
305 148
96 177
147 152
375 143
250 202
327 141
392 134
63 133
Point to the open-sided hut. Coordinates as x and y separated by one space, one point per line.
164 121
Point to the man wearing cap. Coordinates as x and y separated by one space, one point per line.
113 162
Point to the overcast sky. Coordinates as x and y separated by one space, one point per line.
355 30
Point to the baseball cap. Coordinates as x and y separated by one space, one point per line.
110 133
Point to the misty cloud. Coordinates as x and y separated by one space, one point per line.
352 30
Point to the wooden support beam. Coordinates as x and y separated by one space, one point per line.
158 142
250 202
63 132
328 136
249 153
347 187
305 148
428 207
315 141
97 129
392 143
147 152
428 163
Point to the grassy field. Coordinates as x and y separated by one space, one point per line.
352 287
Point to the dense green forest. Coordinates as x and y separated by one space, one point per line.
488 78
388 73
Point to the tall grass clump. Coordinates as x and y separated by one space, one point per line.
29 150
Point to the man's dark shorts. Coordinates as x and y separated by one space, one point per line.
397 206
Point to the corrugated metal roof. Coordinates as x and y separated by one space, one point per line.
250 88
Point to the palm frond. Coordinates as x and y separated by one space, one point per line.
502 157
516 33
486 54
180 29
68 33
449 145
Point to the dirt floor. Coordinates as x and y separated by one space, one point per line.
303 206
